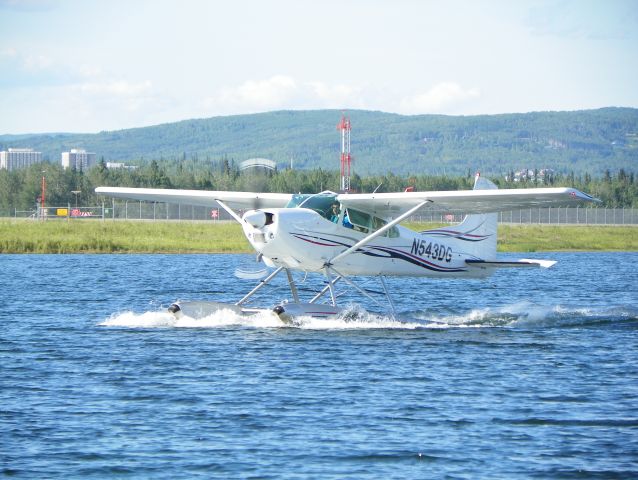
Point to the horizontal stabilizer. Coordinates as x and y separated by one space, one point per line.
524 262
540 263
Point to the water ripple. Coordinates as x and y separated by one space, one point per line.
527 375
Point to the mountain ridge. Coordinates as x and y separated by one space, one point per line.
583 141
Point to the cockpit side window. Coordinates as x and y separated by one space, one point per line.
366 223
359 220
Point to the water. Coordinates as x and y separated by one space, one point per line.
530 374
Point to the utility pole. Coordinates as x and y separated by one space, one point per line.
42 198
76 193
346 157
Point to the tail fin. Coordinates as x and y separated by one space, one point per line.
476 234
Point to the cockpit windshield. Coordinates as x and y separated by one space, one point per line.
319 202
323 202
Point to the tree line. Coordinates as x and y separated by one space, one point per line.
21 189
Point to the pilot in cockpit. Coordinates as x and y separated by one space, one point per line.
334 216
346 220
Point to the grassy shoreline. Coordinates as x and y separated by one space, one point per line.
95 236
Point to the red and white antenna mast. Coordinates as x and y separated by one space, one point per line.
346 157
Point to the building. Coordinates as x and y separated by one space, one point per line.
546 175
117 165
78 159
259 164
15 158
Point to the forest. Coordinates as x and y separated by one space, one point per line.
20 189
583 142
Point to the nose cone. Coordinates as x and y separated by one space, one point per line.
256 218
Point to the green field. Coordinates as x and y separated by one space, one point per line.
96 236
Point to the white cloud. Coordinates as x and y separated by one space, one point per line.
117 88
36 63
444 97
32 69
335 96
282 92
285 92
140 103
90 71
30 62
255 95
8 52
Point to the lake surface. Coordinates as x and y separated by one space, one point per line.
529 374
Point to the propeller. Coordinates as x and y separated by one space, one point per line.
252 271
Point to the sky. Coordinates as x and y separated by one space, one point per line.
87 66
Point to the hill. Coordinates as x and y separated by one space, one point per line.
588 141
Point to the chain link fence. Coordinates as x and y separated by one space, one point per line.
126 210
136 210
550 216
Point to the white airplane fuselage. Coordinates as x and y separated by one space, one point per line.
302 239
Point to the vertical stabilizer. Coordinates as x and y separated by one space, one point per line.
476 234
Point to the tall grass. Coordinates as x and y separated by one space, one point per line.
91 236
532 238
95 236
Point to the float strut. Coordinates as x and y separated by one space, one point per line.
387 295
262 283
356 287
324 290
293 287
330 286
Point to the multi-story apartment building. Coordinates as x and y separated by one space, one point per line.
78 159
15 158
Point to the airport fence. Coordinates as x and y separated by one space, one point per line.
550 216
155 211
126 210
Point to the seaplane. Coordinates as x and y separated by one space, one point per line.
348 235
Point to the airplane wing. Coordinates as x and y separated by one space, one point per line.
239 200
388 205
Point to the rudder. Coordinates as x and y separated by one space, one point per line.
476 234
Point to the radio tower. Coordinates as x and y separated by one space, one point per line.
346 157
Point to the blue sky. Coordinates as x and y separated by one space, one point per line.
88 65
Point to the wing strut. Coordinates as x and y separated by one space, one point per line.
375 234
229 210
